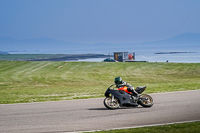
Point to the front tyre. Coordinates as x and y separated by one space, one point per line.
145 100
111 104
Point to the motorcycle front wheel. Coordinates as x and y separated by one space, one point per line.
145 100
111 104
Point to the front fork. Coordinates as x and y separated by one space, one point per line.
112 98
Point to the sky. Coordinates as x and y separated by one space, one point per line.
94 21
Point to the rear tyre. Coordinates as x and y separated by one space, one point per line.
145 100
108 103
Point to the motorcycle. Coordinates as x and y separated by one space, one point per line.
122 97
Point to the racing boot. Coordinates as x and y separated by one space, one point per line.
134 94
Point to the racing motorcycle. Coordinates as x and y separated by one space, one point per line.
116 98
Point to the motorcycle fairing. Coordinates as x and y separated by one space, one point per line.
123 97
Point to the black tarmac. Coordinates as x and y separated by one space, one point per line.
90 114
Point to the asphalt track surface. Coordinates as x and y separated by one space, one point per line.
90 114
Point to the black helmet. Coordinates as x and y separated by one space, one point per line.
118 80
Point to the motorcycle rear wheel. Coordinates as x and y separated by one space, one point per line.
108 103
148 102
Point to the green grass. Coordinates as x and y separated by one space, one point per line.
23 81
192 127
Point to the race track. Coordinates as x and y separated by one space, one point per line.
90 114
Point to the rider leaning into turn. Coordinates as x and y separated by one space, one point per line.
120 83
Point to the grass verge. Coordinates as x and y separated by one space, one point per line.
192 127
23 81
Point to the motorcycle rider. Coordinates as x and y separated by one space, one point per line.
120 83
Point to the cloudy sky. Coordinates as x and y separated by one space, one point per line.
93 21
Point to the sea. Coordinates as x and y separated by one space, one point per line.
193 57
185 55
152 54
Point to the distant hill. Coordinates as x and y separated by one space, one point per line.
34 44
183 42
1 52
182 39
188 41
